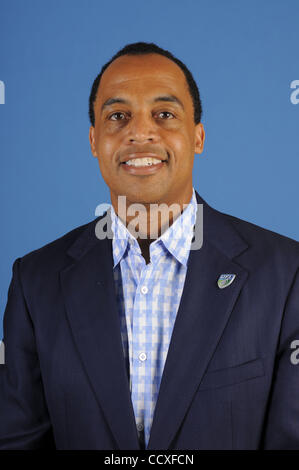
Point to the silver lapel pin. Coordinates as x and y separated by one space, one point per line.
225 280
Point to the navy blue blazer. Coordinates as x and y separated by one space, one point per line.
228 381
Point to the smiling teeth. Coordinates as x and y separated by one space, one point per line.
143 161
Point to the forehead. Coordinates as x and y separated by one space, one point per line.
144 74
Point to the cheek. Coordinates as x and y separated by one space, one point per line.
106 149
180 145
105 146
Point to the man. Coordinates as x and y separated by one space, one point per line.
132 342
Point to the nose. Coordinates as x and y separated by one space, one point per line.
142 128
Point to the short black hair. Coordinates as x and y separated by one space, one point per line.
142 48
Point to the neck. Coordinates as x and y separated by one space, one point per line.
148 221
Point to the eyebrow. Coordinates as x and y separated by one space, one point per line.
111 101
169 98
165 98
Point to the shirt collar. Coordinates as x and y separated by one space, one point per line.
176 240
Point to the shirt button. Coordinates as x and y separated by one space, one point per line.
144 289
142 357
140 427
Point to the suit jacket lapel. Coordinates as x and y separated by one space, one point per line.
203 313
89 295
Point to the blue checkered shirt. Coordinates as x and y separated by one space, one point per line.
148 297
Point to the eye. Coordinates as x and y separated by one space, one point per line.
113 118
166 112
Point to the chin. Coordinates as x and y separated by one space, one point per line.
142 195
146 197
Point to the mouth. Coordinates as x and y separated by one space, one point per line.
143 164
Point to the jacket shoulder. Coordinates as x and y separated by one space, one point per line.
258 231
54 254
264 240
255 236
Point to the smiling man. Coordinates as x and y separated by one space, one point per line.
145 132
140 341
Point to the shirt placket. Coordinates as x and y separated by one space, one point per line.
141 351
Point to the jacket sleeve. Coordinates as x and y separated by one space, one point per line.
24 418
282 421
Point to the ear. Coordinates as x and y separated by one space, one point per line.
92 141
199 138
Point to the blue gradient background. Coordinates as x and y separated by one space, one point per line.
243 55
